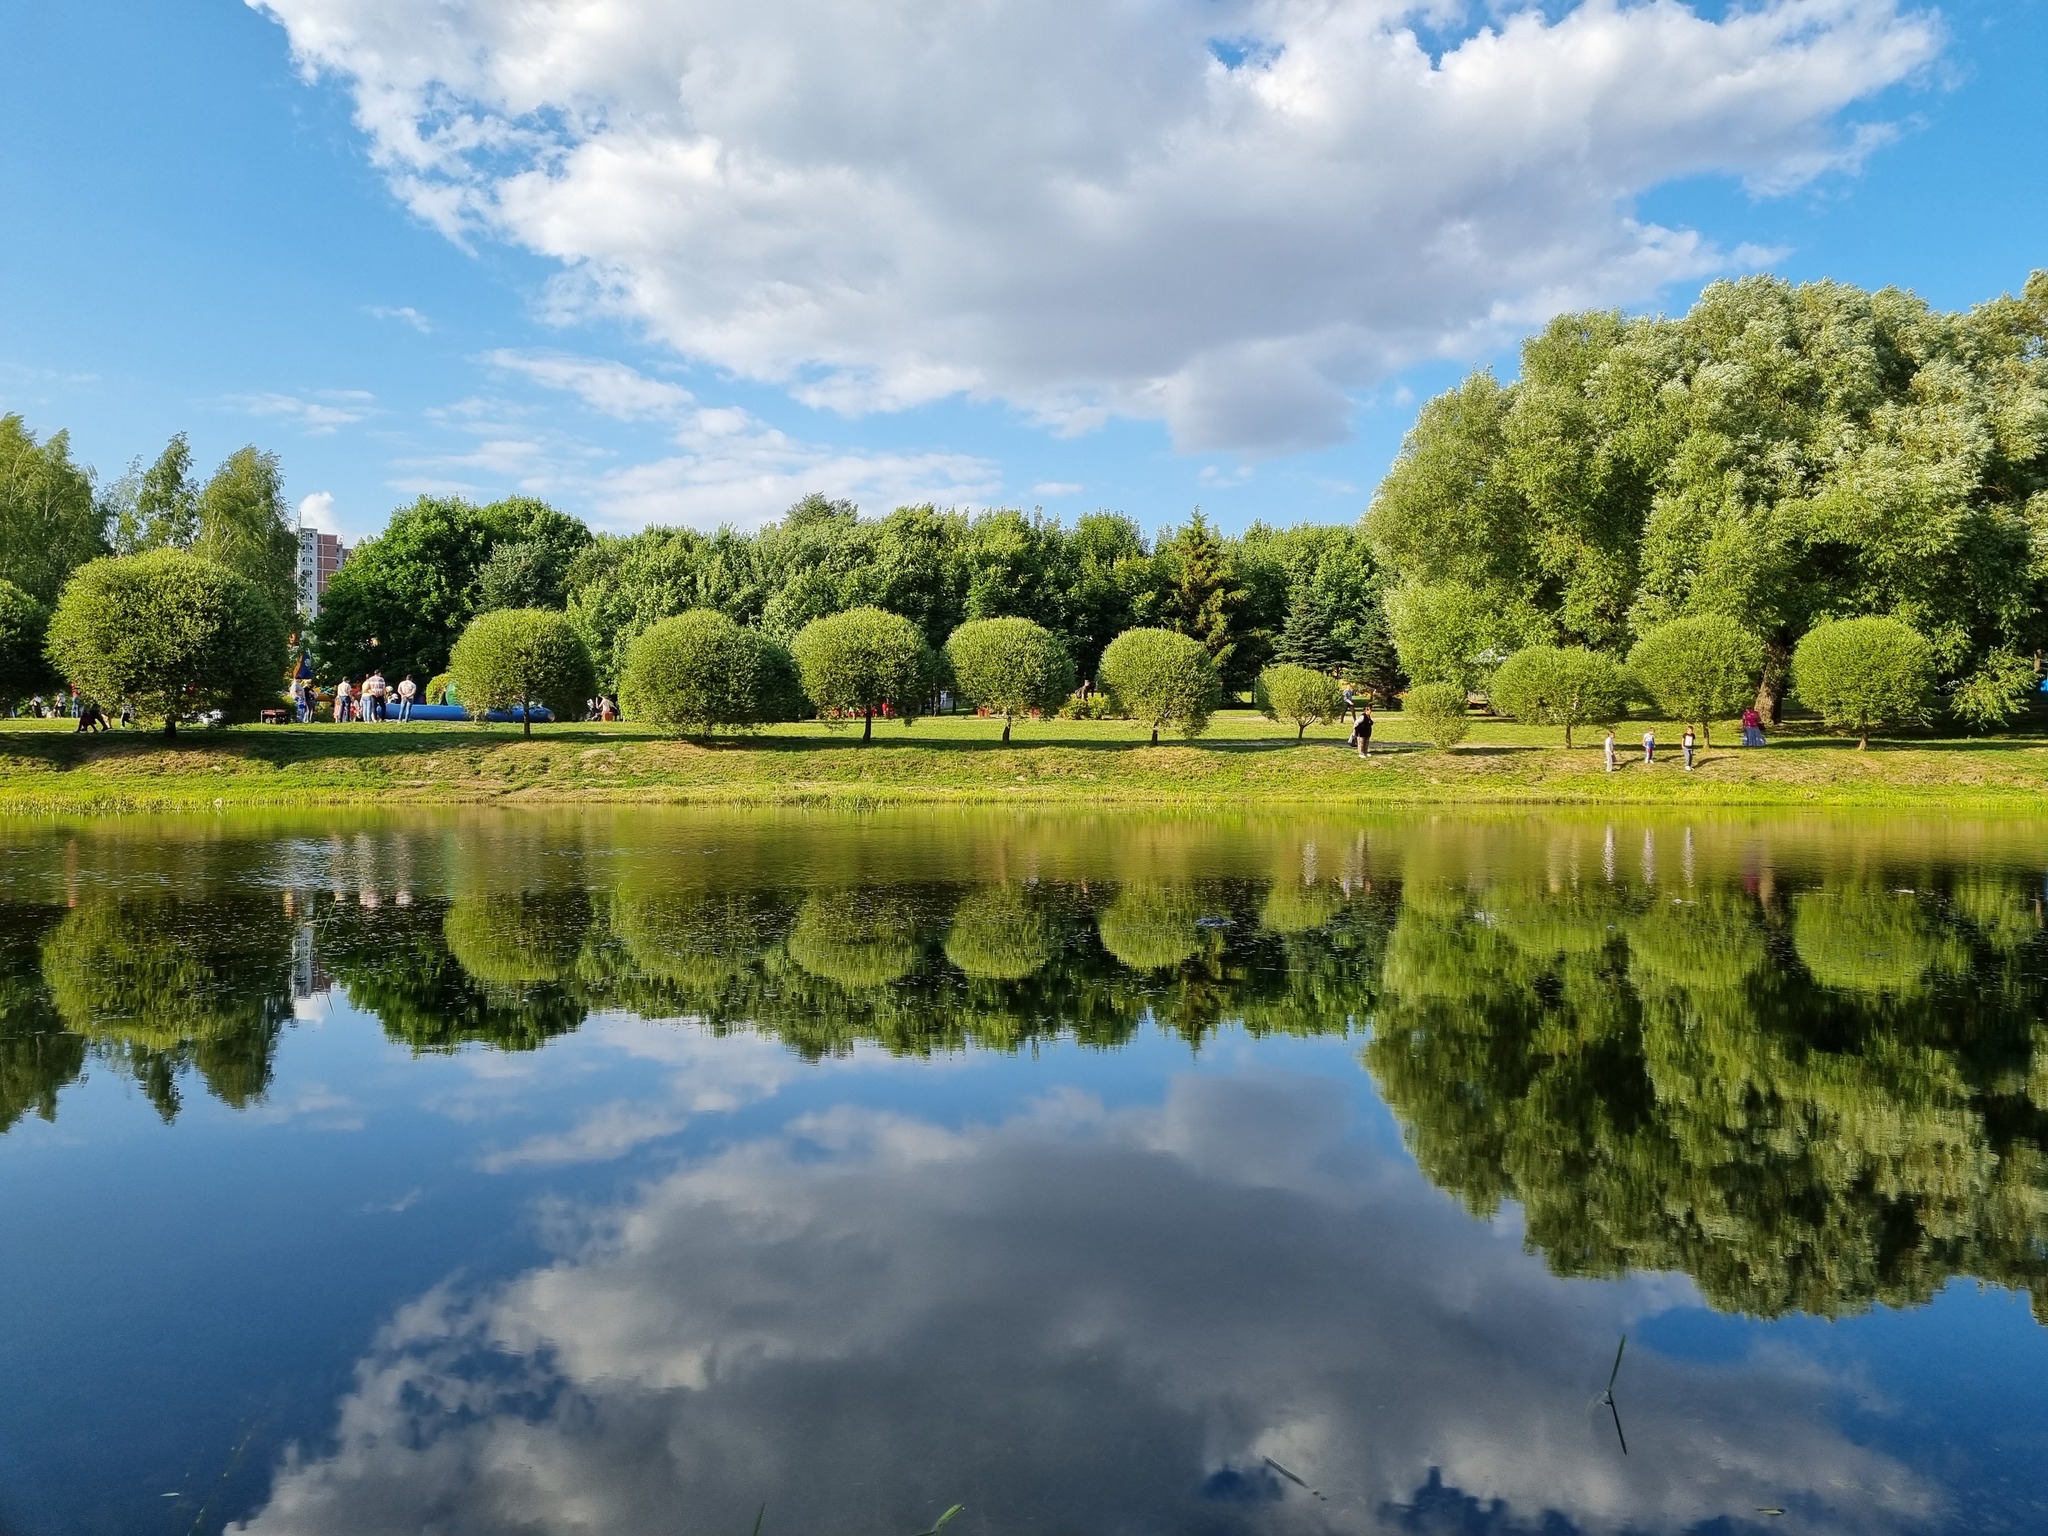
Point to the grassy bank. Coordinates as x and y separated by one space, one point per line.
46 768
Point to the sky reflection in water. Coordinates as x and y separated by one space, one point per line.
618 1172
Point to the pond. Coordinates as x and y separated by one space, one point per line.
704 1172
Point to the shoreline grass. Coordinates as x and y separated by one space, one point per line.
1244 761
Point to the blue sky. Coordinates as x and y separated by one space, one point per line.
658 262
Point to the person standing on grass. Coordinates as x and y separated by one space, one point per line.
408 690
1350 701
342 690
1607 749
1650 745
1752 727
1686 743
1361 733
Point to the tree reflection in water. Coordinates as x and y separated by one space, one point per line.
1809 1090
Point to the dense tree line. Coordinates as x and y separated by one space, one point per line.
1308 593
1780 456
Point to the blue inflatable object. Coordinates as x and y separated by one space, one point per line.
457 712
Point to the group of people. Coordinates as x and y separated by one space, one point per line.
370 700
1752 736
600 708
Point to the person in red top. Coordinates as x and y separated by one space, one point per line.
1752 727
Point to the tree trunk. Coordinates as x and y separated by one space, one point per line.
1863 742
1300 729
1770 689
526 718
1707 734
1155 735
867 730
1567 735
170 725
1006 730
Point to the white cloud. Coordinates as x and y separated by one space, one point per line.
1080 207
731 467
403 312
1054 488
317 509
319 414
1076 1320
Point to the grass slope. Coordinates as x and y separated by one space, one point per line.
1243 761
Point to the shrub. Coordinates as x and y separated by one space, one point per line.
171 633
1997 693
1438 710
1097 706
1861 675
1010 667
437 688
1300 694
24 631
515 657
1157 677
1442 632
699 671
1568 686
1699 668
863 660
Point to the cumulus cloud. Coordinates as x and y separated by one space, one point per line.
317 510
1078 1319
729 467
1227 216
403 313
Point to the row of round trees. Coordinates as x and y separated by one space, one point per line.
1859 675
700 671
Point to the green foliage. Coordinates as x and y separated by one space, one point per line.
514 657
699 671
1699 668
856 940
1204 599
1997 693
517 938
1010 667
1560 685
171 632
1780 453
158 507
1658 1090
1864 938
1861 675
161 983
1440 712
1445 633
862 660
436 691
24 632
1152 927
49 521
1298 694
998 934
1158 677
244 523
405 596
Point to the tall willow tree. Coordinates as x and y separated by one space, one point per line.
1780 455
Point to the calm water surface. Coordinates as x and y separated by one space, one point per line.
623 1172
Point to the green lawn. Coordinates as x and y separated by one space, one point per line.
1243 760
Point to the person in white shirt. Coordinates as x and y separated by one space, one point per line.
408 690
1607 750
342 690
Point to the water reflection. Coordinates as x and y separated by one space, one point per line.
1806 1068
1073 1319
